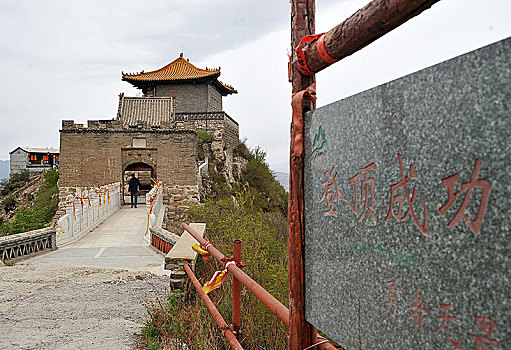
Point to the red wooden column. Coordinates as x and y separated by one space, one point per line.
301 333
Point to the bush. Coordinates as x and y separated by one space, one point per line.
257 179
9 204
268 194
265 254
242 150
25 219
204 136
15 181
41 212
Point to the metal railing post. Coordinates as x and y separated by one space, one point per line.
236 291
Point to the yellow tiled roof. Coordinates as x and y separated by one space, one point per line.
179 69
228 87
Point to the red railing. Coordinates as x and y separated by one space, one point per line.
230 332
160 244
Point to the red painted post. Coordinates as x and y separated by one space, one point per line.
301 333
236 291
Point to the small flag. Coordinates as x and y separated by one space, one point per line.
205 254
217 279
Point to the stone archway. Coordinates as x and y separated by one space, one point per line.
144 172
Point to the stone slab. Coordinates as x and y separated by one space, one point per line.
183 247
388 282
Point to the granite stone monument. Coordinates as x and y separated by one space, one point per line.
407 209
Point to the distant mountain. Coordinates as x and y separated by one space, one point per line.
283 179
4 169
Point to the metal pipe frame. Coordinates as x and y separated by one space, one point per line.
259 292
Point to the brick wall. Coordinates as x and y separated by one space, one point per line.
214 99
93 157
189 97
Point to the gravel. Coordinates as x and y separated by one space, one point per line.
50 307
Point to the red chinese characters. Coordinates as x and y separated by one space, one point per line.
391 299
399 199
330 192
446 323
469 187
483 340
419 310
366 192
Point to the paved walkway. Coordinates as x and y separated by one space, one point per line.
117 243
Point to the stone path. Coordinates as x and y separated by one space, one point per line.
116 243
87 294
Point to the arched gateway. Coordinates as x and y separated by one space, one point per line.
144 172
154 132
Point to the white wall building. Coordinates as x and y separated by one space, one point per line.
33 159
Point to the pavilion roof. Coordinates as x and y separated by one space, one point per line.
179 70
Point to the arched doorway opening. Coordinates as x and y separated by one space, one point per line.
144 172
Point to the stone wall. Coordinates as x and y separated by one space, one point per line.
18 161
189 97
177 200
214 99
231 133
96 155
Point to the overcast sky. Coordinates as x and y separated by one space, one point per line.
63 59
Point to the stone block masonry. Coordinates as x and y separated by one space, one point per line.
177 200
189 97
99 154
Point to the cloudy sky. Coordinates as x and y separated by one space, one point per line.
63 59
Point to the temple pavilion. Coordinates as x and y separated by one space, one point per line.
154 135
178 87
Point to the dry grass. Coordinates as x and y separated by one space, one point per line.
182 318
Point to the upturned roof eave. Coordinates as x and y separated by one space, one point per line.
168 81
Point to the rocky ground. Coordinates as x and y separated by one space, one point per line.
50 307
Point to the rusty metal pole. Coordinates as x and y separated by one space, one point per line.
236 291
301 333
259 292
275 306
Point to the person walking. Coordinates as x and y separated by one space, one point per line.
133 187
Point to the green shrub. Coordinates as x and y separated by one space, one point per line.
264 252
204 136
268 194
242 150
15 181
9 204
42 210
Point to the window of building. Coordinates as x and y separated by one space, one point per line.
139 142
45 157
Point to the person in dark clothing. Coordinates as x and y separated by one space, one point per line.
133 187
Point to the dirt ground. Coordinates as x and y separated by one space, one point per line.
49 307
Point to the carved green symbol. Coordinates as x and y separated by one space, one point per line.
319 142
